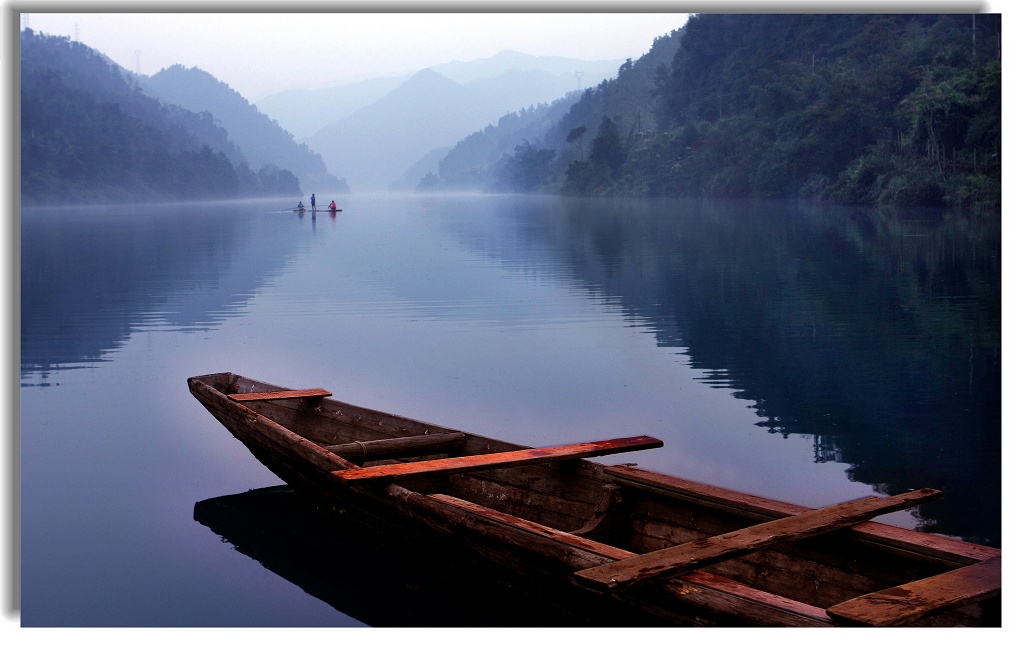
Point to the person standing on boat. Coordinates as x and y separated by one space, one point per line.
312 201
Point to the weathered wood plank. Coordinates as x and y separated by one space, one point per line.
756 606
539 506
703 552
699 588
913 601
425 444
526 525
279 394
756 507
391 472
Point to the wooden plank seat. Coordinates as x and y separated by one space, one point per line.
671 561
468 463
913 601
425 444
699 588
279 394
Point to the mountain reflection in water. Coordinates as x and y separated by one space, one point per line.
877 333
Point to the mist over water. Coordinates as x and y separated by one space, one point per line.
812 354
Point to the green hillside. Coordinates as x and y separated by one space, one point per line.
89 134
860 109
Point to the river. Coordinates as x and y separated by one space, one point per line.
804 352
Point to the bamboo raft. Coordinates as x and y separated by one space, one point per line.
680 551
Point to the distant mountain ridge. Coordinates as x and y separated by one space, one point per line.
261 140
374 147
590 71
304 112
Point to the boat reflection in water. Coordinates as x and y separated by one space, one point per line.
381 578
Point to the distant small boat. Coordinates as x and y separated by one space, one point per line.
683 551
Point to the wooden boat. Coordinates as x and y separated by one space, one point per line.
682 551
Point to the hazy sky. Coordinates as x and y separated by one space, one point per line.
261 53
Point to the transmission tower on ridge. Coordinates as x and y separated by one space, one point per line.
579 80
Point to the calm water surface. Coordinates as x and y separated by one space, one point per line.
806 353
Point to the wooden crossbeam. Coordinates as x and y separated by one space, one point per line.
279 394
391 472
919 599
674 560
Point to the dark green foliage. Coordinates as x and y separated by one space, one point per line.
859 109
868 109
576 137
527 170
89 134
598 174
479 161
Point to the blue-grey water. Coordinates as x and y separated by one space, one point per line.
812 354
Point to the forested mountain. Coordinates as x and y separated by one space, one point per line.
854 108
261 140
480 161
528 150
871 109
89 133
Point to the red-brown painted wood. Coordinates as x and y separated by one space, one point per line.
486 461
280 394
913 601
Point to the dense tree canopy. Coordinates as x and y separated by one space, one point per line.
853 108
868 109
